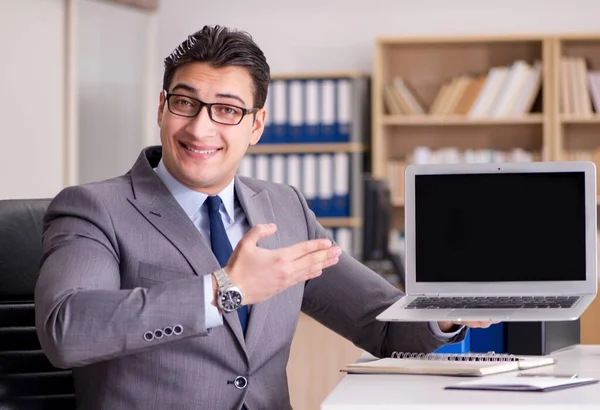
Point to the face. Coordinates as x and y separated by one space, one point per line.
199 153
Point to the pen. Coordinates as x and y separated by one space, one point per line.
555 375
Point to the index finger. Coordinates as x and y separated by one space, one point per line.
300 249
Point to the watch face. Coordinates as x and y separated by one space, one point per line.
230 300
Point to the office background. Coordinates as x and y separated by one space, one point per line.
81 78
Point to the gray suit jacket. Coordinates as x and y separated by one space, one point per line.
121 259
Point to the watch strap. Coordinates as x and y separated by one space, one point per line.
222 278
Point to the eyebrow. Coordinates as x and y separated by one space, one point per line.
186 88
192 90
233 96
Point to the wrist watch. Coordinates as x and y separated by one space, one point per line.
229 296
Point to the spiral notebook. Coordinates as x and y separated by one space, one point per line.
449 364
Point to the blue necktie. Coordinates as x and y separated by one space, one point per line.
221 246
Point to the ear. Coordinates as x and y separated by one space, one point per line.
258 126
161 108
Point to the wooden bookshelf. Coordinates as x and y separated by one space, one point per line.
426 64
576 128
577 132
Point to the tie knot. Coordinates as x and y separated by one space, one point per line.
213 203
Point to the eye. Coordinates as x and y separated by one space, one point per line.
228 110
184 102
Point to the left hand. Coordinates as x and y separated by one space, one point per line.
447 326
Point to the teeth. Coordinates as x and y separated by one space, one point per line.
201 152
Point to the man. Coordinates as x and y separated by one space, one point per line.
131 293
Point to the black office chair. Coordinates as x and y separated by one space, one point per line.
27 379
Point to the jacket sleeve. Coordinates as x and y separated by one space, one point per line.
348 296
82 314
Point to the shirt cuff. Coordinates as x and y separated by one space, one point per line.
212 317
443 336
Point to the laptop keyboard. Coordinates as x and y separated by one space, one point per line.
515 302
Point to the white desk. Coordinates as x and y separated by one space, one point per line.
404 392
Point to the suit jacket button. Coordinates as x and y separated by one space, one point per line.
168 331
240 382
148 336
158 334
177 329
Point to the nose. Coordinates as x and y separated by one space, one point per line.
201 125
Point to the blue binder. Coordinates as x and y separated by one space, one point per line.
462 347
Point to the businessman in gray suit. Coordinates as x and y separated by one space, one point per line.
179 285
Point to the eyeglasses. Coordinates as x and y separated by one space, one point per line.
225 114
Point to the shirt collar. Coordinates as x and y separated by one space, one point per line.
191 200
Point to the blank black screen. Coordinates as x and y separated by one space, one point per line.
500 227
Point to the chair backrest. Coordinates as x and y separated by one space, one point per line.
27 379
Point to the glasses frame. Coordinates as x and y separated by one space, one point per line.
202 104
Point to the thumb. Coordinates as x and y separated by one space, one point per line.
260 231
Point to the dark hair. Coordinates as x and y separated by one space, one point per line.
222 47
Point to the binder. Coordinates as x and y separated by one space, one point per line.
341 185
280 112
324 200
278 173
344 110
309 179
261 167
293 165
312 110
295 127
328 111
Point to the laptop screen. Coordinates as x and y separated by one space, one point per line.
500 227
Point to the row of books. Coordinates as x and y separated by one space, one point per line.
313 110
579 87
323 179
503 91
450 155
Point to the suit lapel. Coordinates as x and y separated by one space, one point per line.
258 210
154 201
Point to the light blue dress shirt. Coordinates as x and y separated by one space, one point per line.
236 226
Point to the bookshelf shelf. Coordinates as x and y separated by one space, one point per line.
306 148
429 120
341 222
572 119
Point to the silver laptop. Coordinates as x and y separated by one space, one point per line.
507 242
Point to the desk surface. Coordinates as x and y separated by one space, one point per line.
387 392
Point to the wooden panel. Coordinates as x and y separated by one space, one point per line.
315 360
402 140
590 322
341 222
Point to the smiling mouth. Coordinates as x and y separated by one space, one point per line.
203 152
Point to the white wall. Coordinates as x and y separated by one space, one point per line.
112 60
338 35
32 121
331 35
